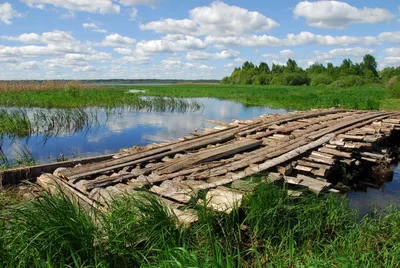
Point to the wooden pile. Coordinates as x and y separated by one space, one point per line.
302 148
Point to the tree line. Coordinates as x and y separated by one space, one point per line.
345 75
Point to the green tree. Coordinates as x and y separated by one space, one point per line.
369 65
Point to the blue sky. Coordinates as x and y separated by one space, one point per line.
188 39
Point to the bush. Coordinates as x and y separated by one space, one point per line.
226 81
290 79
321 79
394 90
349 81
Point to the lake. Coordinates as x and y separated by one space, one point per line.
104 131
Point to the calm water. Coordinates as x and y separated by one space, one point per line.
389 194
108 132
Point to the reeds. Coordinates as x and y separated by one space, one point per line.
271 229
18 86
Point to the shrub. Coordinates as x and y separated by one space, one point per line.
226 80
297 79
394 90
349 81
321 79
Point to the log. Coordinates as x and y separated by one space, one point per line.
335 152
269 163
210 155
16 175
120 163
52 183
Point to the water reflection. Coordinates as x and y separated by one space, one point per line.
388 194
125 127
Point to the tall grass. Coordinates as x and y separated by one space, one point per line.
18 86
23 157
270 229
300 98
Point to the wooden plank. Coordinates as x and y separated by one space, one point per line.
269 163
303 168
223 200
209 155
53 184
16 175
313 164
334 152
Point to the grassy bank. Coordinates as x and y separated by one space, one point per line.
270 229
301 98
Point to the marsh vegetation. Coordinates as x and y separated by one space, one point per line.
270 229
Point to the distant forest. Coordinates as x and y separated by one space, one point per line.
346 75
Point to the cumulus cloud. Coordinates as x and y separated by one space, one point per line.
336 14
54 37
7 13
355 52
94 27
150 3
282 55
391 37
98 6
169 46
76 62
116 40
137 60
303 38
123 50
200 55
55 43
218 19
171 26
392 52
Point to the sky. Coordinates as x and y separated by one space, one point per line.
188 39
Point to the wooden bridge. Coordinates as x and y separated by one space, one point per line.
301 148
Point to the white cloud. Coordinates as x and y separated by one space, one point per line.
54 37
200 55
392 52
76 62
94 27
355 52
116 40
57 43
230 65
168 46
391 37
150 3
282 55
303 38
171 26
40 51
134 60
218 19
133 13
7 13
388 62
97 6
122 50
336 14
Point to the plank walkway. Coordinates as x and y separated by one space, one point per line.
301 148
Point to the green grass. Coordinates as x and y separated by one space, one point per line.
109 97
300 98
269 230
